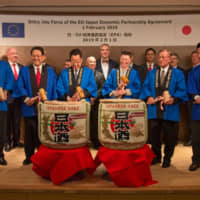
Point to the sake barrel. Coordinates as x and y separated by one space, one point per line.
64 125
122 123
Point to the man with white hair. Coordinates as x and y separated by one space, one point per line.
14 104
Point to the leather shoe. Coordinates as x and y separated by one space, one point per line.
106 176
3 161
7 147
166 164
155 161
194 166
18 144
189 143
27 161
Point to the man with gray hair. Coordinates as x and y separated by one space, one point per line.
164 89
14 104
105 64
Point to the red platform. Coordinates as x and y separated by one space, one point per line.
59 165
127 168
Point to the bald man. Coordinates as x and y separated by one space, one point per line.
99 79
14 105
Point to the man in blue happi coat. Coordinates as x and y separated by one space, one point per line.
164 89
14 105
77 82
116 86
193 87
6 84
31 79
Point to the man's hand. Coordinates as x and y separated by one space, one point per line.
69 98
122 92
32 100
197 100
151 100
75 97
170 101
39 96
122 85
116 93
5 95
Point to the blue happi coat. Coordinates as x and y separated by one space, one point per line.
193 88
111 84
87 83
6 81
26 86
177 88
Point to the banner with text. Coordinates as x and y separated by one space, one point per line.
152 30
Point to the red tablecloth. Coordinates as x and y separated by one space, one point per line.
127 168
59 165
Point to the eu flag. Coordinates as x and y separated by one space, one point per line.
13 30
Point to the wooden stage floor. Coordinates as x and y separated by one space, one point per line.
20 182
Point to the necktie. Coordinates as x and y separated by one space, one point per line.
162 77
15 71
38 76
149 68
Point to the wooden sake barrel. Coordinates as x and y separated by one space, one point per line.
122 123
64 125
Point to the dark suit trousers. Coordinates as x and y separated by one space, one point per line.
196 141
3 122
13 122
94 125
31 139
170 137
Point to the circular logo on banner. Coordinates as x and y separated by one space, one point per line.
186 30
13 30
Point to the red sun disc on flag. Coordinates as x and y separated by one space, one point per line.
186 30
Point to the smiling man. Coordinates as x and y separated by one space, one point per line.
30 80
14 105
76 82
115 87
164 89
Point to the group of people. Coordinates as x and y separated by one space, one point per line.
163 86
